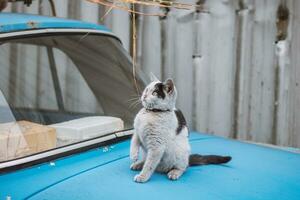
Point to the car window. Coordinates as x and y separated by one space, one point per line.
63 89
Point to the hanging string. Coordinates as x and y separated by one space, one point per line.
134 49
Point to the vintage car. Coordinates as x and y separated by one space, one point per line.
66 117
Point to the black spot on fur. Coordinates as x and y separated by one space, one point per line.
159 89
181 121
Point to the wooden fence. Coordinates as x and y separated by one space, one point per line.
236 67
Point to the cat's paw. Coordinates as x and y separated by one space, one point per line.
134 156
174 174
141 178
137 166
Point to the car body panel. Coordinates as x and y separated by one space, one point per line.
255 172
12 22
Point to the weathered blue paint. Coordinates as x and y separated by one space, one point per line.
255 172
11 22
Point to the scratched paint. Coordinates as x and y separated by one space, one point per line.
32 24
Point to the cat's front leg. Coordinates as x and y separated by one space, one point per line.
138 165
152 160
134 148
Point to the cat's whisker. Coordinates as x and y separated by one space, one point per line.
133 99
139 96
134 104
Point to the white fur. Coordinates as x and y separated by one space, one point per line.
155 134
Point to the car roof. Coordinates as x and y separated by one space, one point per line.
12 22
255 172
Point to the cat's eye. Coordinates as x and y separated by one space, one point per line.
154 93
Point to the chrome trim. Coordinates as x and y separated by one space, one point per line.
63 149
53 30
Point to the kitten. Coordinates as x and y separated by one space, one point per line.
161 133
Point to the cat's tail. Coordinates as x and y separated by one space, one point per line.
196 159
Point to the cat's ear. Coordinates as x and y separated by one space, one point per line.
169 86
153 77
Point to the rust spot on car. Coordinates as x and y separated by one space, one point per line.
32 24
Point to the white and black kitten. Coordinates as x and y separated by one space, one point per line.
161 133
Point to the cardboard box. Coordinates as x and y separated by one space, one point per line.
22 138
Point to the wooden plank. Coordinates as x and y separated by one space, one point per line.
284 90
168 31
151 49
74 9
89 12
220 53
294 101
244 62
263 62
202 70
121 26
183 66
61 8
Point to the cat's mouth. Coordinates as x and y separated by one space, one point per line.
147 105
144 103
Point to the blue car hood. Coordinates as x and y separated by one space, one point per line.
255 172
12 22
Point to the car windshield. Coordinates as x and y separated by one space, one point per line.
60 89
